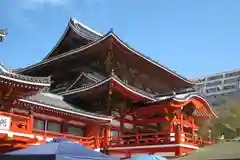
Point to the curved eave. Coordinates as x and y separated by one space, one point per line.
79 77
109 35
64 35
91 34
6 74
24 80
4 69
72 27
190 83
87 88
109 119
63 55
206 105
88 77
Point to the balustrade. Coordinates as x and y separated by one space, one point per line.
141 139
154 139
91 142
15 123
18 125
24 125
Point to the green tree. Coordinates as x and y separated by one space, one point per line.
228 121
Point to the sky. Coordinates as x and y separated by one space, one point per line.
192 37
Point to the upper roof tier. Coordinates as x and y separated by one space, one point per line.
75 35
79 41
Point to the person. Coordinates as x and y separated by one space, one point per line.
222 136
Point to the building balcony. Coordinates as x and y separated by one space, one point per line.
158 138
18 129
166 144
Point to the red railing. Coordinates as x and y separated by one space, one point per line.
155 139
22 124
188 138
17 123
91 142
141 139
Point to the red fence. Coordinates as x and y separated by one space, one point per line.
90 142
23 124
21 128
141 139
154 139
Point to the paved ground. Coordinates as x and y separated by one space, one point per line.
221 151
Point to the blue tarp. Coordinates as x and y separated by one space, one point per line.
56 150
148 157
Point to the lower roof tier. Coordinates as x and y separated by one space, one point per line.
23 79
15 85
49 102
195 105
95 96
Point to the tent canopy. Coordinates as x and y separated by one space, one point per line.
148 157
63 150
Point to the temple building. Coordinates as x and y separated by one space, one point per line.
98 91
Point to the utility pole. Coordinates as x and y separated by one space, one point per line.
3 33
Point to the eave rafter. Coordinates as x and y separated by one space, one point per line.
81 30
118 85
78 79
32 105
15 85
202 107
8 77
111 37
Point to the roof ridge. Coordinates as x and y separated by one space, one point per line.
119 81
79 78
75 21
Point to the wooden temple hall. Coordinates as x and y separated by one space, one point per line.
94 89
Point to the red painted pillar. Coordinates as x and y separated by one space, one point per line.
179 137
181 122
171 126
30 123
64 127
107 136
122 116
121 127
172 132
193 131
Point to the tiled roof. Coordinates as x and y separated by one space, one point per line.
27 78
58 102
4 72
85 31
106 80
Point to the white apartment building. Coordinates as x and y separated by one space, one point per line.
219 88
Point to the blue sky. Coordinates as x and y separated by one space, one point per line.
192 37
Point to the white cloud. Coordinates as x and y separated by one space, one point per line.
38 4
